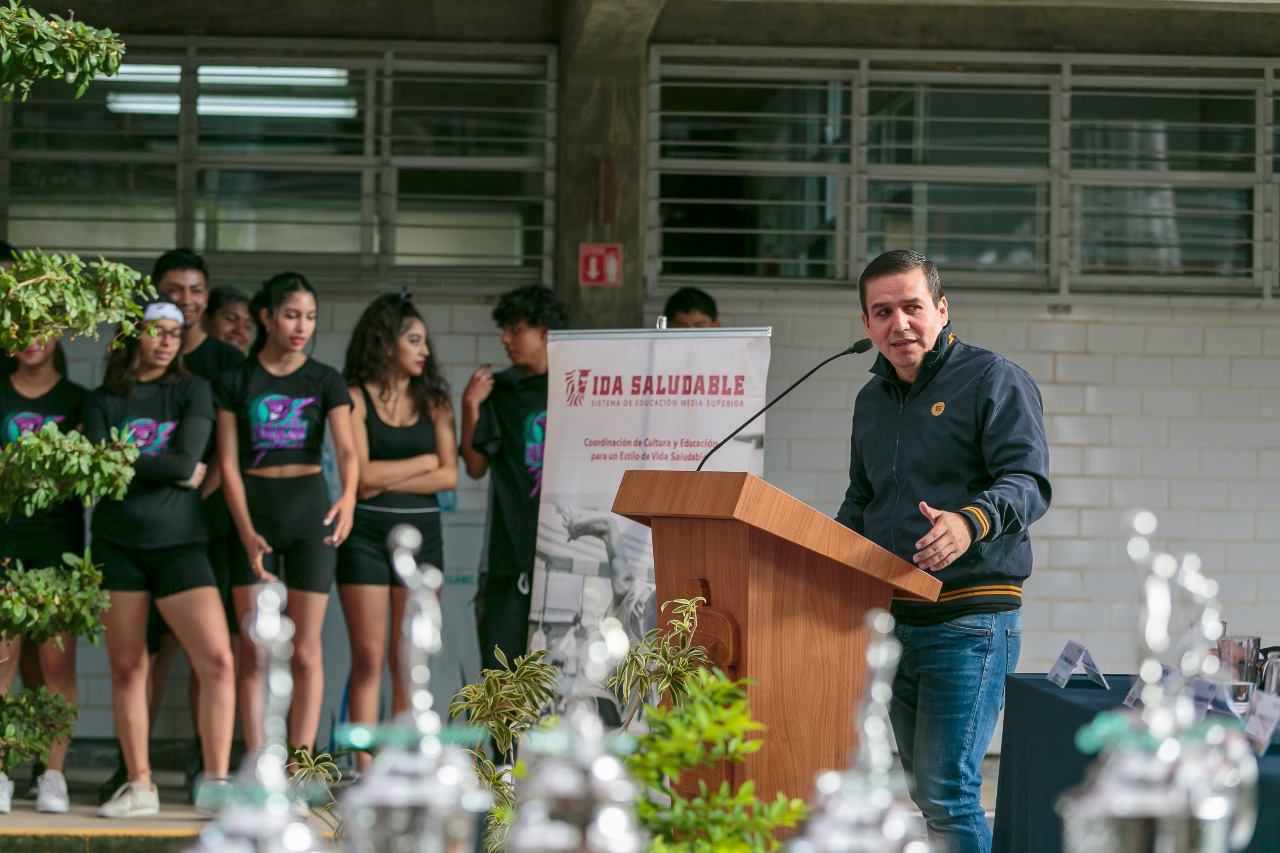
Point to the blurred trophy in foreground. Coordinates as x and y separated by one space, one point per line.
1166 780
420 794
262 818
577 796
863 809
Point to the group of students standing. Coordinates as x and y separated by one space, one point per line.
229 415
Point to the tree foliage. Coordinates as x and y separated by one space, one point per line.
30 722
43 294
42 603
710 724
33 46
48 466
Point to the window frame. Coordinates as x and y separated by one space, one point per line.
381 64
1063 280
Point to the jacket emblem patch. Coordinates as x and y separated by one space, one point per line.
938 408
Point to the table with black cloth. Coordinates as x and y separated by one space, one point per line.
1039 762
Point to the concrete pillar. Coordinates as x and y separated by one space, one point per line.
601 136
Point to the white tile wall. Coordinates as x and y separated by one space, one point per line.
1173 409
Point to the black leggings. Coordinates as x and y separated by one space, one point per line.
502 617
289 514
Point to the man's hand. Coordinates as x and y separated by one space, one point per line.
478 389
949 537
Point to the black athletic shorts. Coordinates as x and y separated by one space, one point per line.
223 542
289 514
159 571
364 558
40 548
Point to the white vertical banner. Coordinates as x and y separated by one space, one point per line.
616 401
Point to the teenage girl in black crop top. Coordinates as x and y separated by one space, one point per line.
405 439
34 390
272 412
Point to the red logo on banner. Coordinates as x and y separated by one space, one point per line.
600 264
575 386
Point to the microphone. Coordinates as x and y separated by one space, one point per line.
860 347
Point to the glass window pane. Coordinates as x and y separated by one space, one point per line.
742 225
1162 131
261 211
93 208
280 110
933 125
451 116
793 122
469 218
1165 230
135 111
989 227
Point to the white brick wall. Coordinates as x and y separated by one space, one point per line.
1174 409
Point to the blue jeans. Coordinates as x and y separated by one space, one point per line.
947 697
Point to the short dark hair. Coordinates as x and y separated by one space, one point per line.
690 299
178 259
534 304
899 261
224 295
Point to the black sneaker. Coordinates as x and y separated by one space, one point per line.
113 784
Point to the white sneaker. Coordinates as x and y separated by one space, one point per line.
51 793
131 800
6 793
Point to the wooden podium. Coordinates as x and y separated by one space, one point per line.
786 589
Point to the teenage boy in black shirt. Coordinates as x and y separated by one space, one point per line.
504 419
180 276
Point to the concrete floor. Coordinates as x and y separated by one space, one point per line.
24 830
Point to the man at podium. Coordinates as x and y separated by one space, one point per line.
948 469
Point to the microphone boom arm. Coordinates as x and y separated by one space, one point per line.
860 347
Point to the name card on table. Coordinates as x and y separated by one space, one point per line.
1210 695
1073 657
1260 725
1134 698
1205 692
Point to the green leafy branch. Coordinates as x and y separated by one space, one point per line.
506 702
44 293
31 721
45 467
33 46
44 603
663 663
712 723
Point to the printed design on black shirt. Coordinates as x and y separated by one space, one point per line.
275 423
19 422
150 436
535 436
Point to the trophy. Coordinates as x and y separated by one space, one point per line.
577 795
420 795
863 810
1166 781
262 817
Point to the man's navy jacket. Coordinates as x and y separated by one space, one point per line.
967 436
